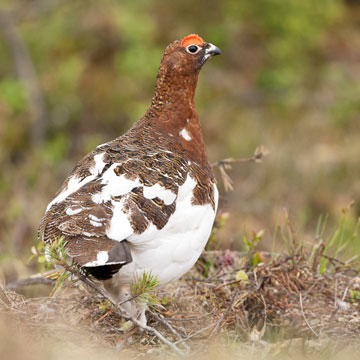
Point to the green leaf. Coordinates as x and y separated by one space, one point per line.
242 276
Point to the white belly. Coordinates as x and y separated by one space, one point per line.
171 252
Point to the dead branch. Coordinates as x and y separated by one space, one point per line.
303 314
222 317
319 252
29 281
37 279
161 320
122 311
226 164
196 333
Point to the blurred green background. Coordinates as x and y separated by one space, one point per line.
75 74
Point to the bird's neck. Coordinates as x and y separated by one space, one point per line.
170 91
173 111
172 105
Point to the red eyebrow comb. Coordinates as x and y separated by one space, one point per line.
192 39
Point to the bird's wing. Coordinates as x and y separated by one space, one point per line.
110 196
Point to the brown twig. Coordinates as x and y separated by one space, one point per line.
319 252
161 320
196 333
123 312
37 279
29 281
226 164
222 317
303 314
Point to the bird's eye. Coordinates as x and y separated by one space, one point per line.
192 49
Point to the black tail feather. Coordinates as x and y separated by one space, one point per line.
119 256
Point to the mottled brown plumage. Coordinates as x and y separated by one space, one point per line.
152 162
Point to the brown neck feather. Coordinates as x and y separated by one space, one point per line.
173 110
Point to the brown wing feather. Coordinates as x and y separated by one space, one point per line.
84 223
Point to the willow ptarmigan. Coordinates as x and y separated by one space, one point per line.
145 201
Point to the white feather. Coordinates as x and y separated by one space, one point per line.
73 211
95 223
120 227
216 197
95 218
101 258
114 185
97 198
99 164
73 185
151 192
185 134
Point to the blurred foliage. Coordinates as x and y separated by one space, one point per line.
288 78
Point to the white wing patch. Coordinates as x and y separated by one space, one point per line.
73 210
117 189
114 185
184 196
73 185
97 198
99 164
95 221
120 227
95 218
186 188
101 258
151 192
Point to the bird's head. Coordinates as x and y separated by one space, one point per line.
186 57
179 70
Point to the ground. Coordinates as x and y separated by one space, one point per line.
283 306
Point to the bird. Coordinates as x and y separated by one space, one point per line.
146 201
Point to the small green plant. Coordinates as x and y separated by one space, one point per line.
105 305
55 254
354 295
250 246
342 241
289 236
56 251
143 286
60 278
38 253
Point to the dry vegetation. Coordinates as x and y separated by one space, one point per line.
282 306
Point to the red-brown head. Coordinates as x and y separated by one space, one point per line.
186 57
179 70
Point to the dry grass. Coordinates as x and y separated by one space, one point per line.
283 306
